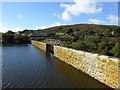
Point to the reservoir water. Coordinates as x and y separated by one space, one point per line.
25 66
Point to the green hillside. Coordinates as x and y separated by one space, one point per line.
102 39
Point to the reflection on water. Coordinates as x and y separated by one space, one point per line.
26 66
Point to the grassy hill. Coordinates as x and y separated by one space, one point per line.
79 28
102 39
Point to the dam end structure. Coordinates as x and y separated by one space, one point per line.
40 45
100 67
44 46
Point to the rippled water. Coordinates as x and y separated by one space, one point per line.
26 66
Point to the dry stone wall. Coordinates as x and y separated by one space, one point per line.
100 67
40 45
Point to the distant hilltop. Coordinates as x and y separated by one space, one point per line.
82 25
78 27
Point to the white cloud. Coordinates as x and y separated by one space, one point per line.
44 27
3 29
19 16
56 24
96 21
16 29
113 19
66 16
79 7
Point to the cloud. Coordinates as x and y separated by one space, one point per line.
96 21
56 24
113 19
79 7
19 16
52 25
16 29
66 16
3 29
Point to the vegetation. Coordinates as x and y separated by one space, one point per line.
116 50
12 38
69 31
60 33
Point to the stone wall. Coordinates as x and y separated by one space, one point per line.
40 45
100 67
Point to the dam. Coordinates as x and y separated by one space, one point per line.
26 66
100 67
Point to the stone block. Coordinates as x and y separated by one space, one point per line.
103 58
112 61
113 77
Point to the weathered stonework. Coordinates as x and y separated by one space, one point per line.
100 67
40 45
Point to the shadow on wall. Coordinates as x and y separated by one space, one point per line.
50 48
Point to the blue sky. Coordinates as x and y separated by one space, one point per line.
39 15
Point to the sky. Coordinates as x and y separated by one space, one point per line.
17 16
